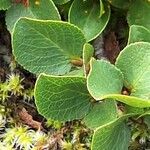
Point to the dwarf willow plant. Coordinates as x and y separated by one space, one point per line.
59 53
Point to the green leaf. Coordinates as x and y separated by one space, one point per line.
46 10
129 100
146 113
5 4
122 4
88 51
60 2
104 79
138 34
147 120
130 109
77 73
134 62
86 15
112 136
47 46
102 10
102 113
62 98
139 13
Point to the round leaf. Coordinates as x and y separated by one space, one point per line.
47 46
134 62
104 79
62 98
112 136
138 34
46 10
139 13
101 113
5 4
86 15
